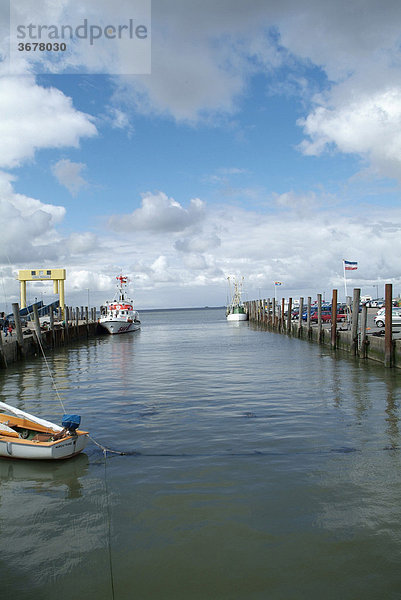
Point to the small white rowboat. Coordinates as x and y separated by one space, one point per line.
28 437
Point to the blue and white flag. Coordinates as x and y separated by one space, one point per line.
350 266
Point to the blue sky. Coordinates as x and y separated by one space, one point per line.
264 143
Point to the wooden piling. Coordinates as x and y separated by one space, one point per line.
363 336
36 324
319 318
51 318
301 310
333 336
388 326
18 328
3 358
289 313
308 322
354 320
66 319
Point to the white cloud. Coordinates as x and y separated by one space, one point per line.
83 280
159 213
82 243
30 234
33 117
360 127
119 119
198 243
69 174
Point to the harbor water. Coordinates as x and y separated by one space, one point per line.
255 466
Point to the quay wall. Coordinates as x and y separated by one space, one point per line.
352 337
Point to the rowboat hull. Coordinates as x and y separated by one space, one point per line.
31 438
67 447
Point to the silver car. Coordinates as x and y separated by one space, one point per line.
380 319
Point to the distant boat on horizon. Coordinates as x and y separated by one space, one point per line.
236 310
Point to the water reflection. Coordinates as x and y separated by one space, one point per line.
52 519
44 476
392 418
262 470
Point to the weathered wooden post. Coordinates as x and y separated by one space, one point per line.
66 318
51 316
308 323
364 340
282 316
388 326
274 312
319 318
301 310
348 311
334 320
77 321
36 324
289 314
354 320
18 327
3 358
268 319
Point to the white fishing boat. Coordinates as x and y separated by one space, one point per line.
236 310
25 436
119 315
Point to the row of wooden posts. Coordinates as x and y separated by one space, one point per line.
272 315
73 324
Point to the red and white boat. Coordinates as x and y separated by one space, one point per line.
119 315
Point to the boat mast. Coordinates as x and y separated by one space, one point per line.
237 291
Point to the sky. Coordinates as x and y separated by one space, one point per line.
241 138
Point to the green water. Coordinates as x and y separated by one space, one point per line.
256 467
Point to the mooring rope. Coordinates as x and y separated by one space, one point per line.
47 364
105 450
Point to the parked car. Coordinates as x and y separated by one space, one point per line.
375 303
380 319
326 314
